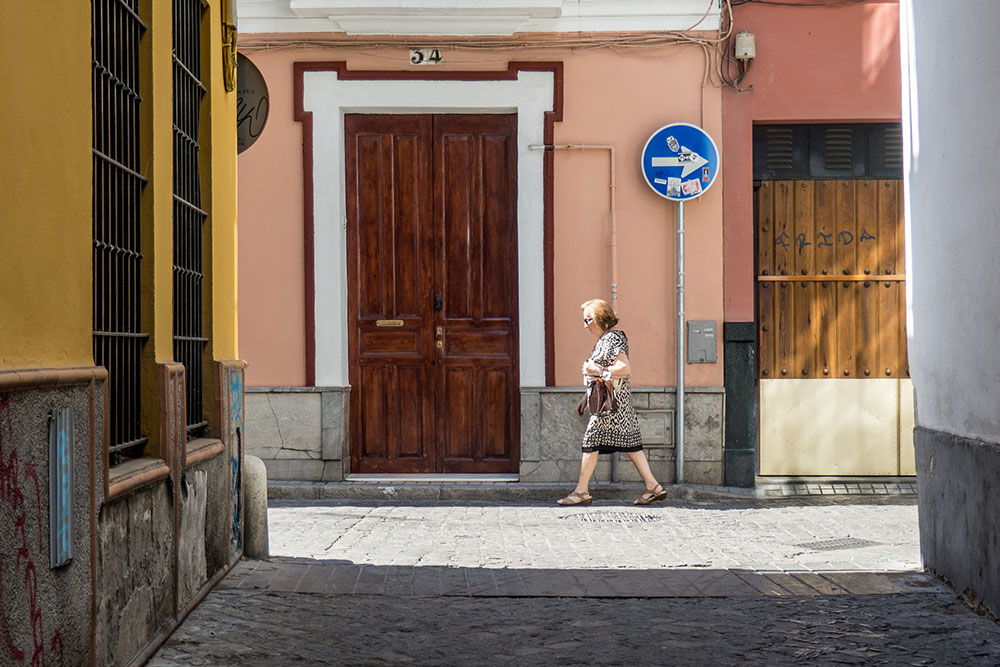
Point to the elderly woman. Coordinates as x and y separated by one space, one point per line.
618 431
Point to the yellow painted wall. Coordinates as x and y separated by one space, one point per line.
45 186
157 137
221 195
157 140
218 142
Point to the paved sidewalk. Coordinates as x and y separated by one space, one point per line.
430 488
750 535
718 582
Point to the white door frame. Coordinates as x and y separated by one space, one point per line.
328 98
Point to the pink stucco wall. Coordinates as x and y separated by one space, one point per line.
611 97
272 275
813 65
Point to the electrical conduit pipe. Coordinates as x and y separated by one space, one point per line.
614 233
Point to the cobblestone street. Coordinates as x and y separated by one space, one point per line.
717 582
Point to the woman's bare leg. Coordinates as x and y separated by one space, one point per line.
642 465
587 465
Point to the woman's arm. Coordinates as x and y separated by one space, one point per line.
619 368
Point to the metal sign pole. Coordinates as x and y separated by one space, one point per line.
679 410
679 162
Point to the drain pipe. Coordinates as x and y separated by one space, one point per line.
614 234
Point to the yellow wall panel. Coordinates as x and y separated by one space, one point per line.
45 186
222 196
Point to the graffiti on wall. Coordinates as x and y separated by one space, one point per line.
236 457
15 479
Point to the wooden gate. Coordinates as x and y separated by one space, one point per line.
432 293
831 305
830 279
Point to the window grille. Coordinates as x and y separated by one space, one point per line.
189 218
118 338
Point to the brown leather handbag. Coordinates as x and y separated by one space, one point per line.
599 399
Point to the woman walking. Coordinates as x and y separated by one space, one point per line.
618 431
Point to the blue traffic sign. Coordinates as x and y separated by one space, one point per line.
680 161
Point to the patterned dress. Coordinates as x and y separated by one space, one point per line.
618 432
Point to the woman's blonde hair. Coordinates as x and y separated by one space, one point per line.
604 315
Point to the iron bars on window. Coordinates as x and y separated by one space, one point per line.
189 218
118 338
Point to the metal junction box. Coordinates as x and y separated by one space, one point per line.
701 342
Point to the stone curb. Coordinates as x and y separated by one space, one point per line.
539 492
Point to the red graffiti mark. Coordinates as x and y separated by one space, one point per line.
29 472
57 640
12 498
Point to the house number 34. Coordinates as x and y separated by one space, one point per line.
425 56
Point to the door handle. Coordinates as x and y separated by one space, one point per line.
438 302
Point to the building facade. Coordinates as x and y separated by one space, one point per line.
121 392
427 319
817 379
372 358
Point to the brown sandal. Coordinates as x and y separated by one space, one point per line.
575 499
651 496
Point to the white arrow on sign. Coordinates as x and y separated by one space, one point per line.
686 158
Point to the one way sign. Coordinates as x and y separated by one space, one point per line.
680 161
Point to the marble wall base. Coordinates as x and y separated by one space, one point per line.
552 412
301 434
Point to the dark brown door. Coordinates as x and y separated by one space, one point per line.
432 293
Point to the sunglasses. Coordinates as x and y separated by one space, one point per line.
588 320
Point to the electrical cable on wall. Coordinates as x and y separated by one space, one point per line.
728 56
793 3
626 41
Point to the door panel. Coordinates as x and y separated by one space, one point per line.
388 273
477 270
432 275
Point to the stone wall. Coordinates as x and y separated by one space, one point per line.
301 434
161 540
551 434
45 611
959 525
135 572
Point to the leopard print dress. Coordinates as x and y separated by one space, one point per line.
618 432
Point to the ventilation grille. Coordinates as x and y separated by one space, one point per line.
836 545
893 149
838 151
828 151
614 517
780 149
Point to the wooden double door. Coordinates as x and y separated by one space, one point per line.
432 293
